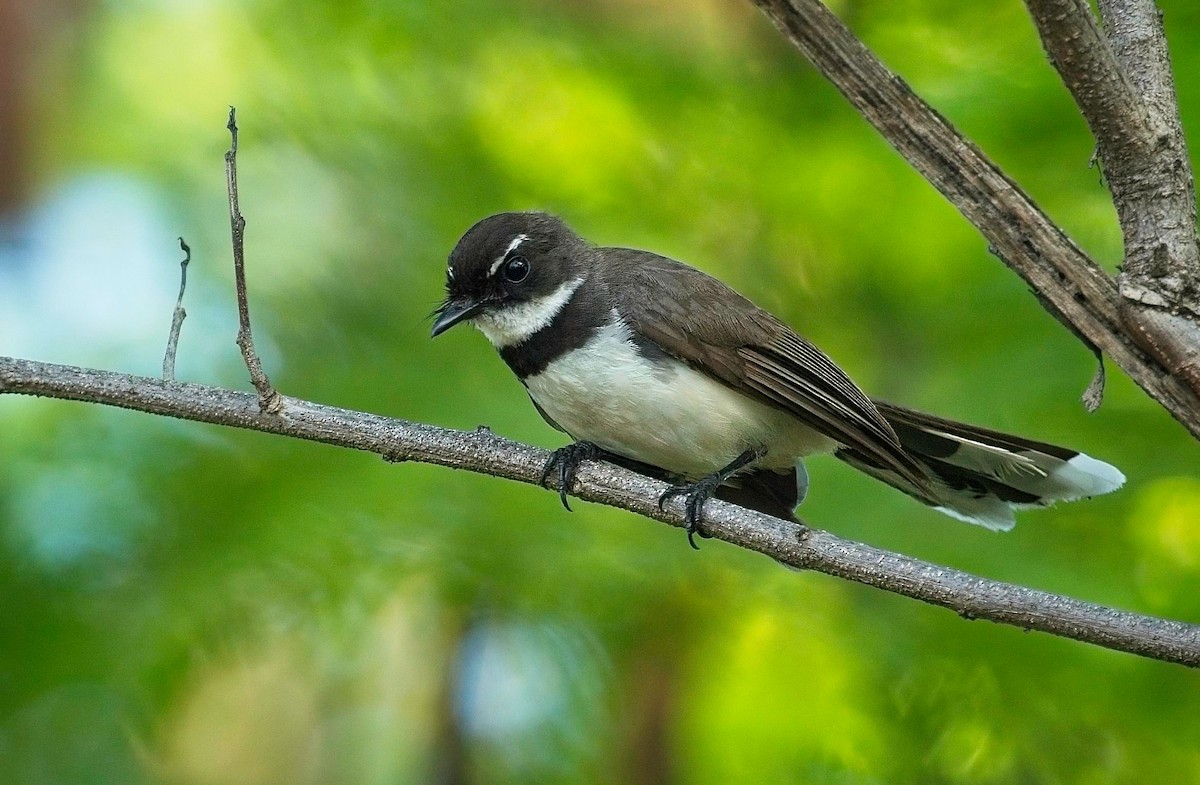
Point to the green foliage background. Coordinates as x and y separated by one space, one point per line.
236 608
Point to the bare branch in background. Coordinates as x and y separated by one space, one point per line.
482 451
269 399
177 317
1069 284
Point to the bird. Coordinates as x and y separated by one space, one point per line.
654 365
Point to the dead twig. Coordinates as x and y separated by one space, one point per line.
269 400
177 317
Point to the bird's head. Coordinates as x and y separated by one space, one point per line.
510 273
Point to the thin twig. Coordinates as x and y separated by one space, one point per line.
1093 396
269 399
1066 281
482 451
177 317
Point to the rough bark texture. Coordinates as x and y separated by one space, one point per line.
1156 197
1067 282
481 451
1122 82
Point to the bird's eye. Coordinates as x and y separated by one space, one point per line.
516 269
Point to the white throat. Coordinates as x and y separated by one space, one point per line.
516 323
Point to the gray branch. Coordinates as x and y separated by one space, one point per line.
1121 79
482 451
1115 114
1069 284
1123 85
1168 330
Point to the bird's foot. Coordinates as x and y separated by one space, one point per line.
696 494
699 492
565 462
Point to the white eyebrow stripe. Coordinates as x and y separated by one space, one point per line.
520 238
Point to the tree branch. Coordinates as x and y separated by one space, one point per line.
1123 85
481 451
1116 116
1135 29
1063 278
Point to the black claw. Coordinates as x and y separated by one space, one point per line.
564 481
565 461
697 494
671 493
701 491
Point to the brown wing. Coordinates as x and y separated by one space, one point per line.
700 320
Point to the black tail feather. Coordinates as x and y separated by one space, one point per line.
980 475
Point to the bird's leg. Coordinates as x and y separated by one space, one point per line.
566 461
701 491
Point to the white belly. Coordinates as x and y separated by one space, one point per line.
669 416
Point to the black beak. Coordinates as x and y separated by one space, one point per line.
452 313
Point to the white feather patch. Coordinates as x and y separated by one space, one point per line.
514 323
996 462
663 413
1077 478
1046 476
1083 475
988 512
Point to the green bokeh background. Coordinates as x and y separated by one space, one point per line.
186 604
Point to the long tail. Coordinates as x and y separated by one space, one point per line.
980 476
